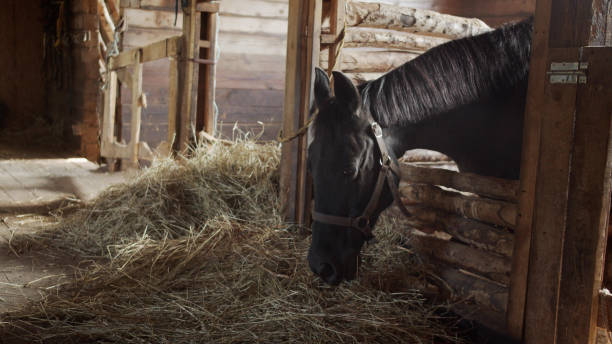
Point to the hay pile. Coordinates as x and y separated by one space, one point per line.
196 252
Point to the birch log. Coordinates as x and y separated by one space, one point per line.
391 39
363 60
413 20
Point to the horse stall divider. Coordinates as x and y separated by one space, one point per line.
479 213
190 104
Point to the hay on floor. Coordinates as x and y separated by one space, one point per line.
196 251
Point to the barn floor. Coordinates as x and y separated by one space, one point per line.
29 189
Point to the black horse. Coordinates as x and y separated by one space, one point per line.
465 98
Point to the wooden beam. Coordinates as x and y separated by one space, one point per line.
561 29
136 118
482 209
589 202
173 100
188 75
301 54
491 187
108 119
206 119
154 51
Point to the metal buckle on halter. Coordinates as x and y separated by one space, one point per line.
361 223
376 129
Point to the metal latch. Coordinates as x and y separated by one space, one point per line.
568 72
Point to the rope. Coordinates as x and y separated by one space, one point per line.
300 131
59 24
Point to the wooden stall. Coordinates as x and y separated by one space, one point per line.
527 255
190 100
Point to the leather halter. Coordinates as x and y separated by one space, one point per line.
388 168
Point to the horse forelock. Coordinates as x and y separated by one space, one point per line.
453 74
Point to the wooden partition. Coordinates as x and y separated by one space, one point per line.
191 87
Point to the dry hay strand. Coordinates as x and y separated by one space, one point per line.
196 252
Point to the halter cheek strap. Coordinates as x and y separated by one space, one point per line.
388 168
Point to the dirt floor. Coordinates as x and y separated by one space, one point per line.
35 180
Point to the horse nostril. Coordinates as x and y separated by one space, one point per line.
325 271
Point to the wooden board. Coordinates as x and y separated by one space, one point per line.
589 203
549 137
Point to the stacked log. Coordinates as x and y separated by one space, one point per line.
379 37
463 225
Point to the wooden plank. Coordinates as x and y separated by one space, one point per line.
161 49
188 76
141 18
124 59
529 171
137 102
303 194
140 37
254 25
256 8
206 98
563 27
461 256
589 203
297 67
491 187
487 210
108 121
173 99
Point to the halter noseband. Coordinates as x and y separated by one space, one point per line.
388 167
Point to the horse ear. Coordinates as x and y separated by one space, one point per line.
346 92
322 90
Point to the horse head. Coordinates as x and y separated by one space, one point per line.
345 160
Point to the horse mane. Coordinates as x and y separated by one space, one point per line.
452 74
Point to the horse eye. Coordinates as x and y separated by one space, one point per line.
350 171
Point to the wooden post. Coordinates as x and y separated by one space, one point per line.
173 100
208 51
137 105
302 53
188 74
108 121
552 184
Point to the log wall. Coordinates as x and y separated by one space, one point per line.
463 225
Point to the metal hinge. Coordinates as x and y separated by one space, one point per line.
568 72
